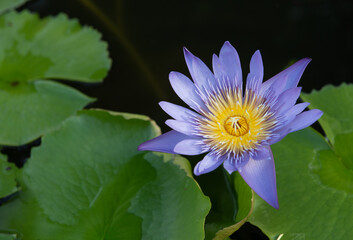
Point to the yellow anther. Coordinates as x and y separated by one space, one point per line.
236 126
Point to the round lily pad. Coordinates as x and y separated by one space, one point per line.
6 5
88 181
33 52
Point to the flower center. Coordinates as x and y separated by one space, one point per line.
236 126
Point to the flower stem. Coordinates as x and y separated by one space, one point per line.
231 190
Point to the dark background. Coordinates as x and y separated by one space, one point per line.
146 38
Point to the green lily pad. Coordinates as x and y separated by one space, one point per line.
166 214
88 181
33 51
50 48
6 5
39 108
8 184
8 236
314 176
336 102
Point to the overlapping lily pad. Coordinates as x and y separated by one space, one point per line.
8 236
10 4
314 177
8 183
34 51
88 181
336 102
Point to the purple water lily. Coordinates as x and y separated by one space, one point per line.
232 126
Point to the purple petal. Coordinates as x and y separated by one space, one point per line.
274 90
293 112
190 147
290 76
260 175
209 163
287 99
298 108
304 120
178 112
200 73
186 90
256 74
280 134
262 153
233 164
301 121
230 166
217 68
164 143
182 127
230 62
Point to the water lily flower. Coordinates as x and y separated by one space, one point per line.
234 126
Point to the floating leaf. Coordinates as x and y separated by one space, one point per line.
336 102
51 48
32 51
166 214
8 183
314 178
6 5
88 181
36 110
7 236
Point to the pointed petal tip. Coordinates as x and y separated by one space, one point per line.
307 59
302 62
162 103
260 175
169 122
173 74
230 171
273 202
227 45
209 163
196 169
163 143
317 114
189 147
320 112
187 52
229 167
142 147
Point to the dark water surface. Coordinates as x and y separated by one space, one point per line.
156 31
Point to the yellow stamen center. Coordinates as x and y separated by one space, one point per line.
233 123
236 126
